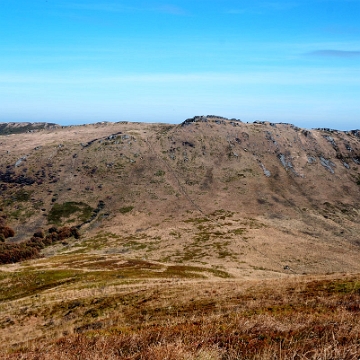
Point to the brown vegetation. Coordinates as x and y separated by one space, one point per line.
14 252
291 319
5 231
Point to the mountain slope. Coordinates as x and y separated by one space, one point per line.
255 199
181 229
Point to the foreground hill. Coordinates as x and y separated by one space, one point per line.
211 239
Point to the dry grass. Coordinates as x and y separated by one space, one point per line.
300 318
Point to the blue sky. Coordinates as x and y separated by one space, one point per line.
82 61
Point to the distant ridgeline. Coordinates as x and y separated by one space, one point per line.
19 128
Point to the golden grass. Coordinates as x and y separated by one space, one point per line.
296 318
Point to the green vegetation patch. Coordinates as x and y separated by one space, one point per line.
197 220
23 195
65 210
100 271
20 284
160 173
118 243
125 209
94 243
192 271
238 231
336 286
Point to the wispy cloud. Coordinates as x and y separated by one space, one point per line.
335 53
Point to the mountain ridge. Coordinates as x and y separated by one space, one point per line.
163 181
28 126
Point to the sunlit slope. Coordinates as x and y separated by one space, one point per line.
253 199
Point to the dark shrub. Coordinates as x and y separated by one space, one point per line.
39 234
48 240
30 249
75 232
64 233
54 237
2 220
7 231
35 242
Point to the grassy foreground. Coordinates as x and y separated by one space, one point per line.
175 313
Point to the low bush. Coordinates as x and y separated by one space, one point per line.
30 249
7 232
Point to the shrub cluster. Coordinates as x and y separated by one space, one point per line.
30 249
5 231
12 253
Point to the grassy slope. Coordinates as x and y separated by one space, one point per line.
132 314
